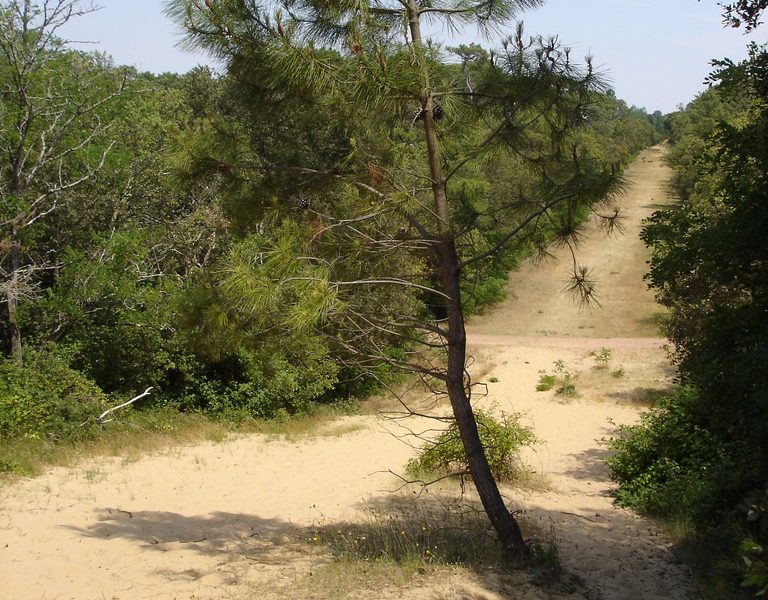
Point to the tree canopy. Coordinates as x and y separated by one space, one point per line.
400 222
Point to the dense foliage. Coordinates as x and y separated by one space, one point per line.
703 450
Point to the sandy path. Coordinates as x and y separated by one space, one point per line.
536 305
222 520
619 554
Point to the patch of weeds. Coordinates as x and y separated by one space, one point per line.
12 467
562 378
135 433
641 396
416 532
618 372
602 357
216 435
342 429
404 541
94 475
493 379
345 578
565 379
316 421
545 558
566 389
546 382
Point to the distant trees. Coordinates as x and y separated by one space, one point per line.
708 268
701 454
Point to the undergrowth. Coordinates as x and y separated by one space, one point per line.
415 533
562 379
400 537
135 433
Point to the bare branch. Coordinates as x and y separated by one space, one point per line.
100 419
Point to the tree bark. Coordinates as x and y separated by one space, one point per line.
503 521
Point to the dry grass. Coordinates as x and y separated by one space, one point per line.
406 542
333 420
136 434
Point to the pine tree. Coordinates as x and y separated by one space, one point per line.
411 131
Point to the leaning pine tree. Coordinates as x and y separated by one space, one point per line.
411 132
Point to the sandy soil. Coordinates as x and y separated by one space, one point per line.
232 519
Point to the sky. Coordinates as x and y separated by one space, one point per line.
655 53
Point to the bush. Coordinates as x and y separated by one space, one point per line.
46 399
754 548
562 378
263 384
502 440
669 465
546 382
602 358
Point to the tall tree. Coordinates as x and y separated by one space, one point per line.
409 134
51 133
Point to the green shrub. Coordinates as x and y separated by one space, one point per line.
502 440
602 358
668 465
567 388
46 399
546 382
263 385
562 378
754 548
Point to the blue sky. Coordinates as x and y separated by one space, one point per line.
656 52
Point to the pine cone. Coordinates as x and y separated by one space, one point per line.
437 112
303 203
223 168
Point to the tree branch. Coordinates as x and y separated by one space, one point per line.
100 419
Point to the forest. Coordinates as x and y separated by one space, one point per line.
317 220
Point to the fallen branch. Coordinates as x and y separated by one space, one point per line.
100 419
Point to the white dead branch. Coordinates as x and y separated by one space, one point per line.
101 420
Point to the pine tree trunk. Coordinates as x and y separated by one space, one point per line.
502 520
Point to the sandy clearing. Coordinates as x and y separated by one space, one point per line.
221 520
